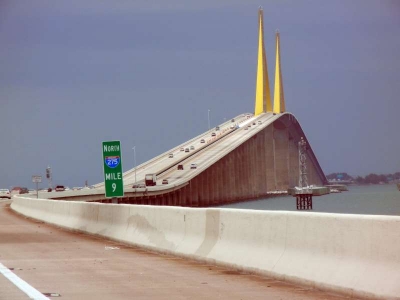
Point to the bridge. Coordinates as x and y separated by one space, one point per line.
247 157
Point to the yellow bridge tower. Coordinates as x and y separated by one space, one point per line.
263 96
279 97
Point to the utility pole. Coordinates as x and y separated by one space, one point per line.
49 177
208 119
134 159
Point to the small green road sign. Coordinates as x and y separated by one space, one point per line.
112 165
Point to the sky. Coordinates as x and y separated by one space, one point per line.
76 73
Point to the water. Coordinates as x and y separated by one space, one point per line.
369 200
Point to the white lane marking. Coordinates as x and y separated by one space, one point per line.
21 284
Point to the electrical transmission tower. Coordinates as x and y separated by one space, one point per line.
303 181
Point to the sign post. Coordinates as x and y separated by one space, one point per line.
37 179
112 166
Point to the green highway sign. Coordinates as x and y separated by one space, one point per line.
112 166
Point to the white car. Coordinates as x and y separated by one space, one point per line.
193 166
5 193
59 188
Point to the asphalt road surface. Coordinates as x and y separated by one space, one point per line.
68 265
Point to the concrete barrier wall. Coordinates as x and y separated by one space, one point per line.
357 255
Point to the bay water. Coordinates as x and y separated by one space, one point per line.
366 199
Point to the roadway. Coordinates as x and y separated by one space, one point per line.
163 162
204 154
224 142
78 266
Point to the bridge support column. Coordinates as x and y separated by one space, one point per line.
269 158
304 201
281 148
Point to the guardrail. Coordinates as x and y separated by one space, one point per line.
357 255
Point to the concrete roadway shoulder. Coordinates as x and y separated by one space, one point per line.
78 266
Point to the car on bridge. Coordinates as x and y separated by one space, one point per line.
202 141
180 167
182 149
191 147
5 193
150 179
165 181
187 150
171 155
60 188
213 134
139 186
193 166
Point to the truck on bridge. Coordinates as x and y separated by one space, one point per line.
150 179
